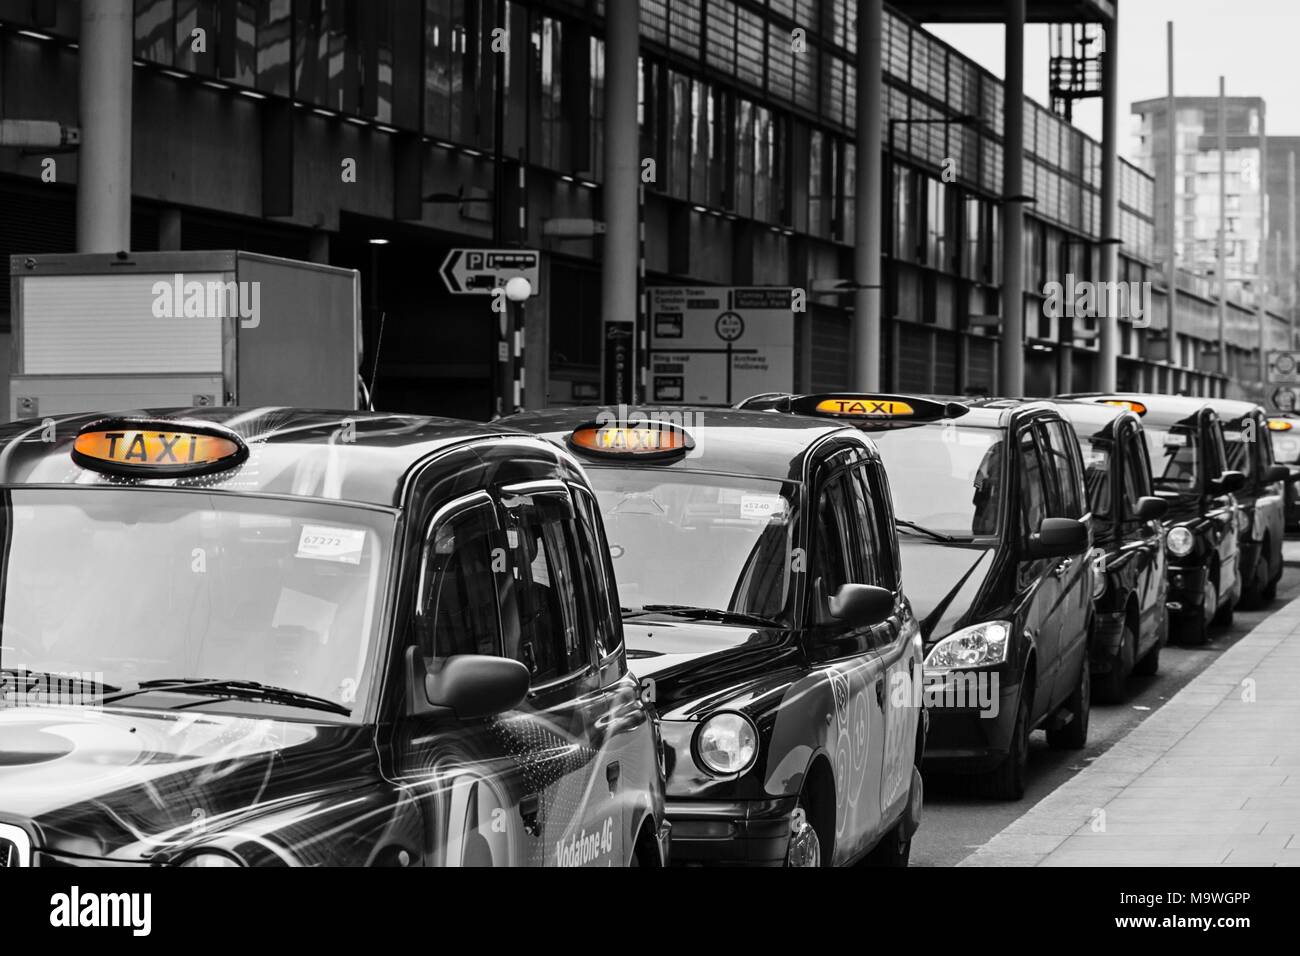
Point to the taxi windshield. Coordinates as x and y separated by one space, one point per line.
945 478
695 540
1286 446
128 586
1175 456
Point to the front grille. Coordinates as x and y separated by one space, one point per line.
15 847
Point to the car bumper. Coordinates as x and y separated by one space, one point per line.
970 739
742 832
1186 597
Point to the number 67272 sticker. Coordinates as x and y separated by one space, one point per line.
323 543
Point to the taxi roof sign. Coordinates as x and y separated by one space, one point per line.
879 410
1131 404
157 448
641 440
1279 425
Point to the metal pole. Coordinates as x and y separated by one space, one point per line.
502 359
1011 357
618 293
1108 324
1171 219
1223 230
867 201
104 163
1290 229
1261 293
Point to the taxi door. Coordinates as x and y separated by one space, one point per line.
1220 509
1142 542
1071 615
855 740
1038 580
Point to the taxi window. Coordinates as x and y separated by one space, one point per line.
540 621
1239 445
599 596
833 549
946 478
875 520
1033 492
1175 454
1137 471
1096 473
1063 477
461 605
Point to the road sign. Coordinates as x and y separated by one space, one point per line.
715 346
479 271
1284 367
1285 399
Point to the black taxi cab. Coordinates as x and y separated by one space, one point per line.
1189 469
1262 516
1284 435
1130 621
239 637
994 534
762 606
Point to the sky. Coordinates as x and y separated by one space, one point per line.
1253 44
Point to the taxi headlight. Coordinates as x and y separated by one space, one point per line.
209 858
727 743
973 646
1180 541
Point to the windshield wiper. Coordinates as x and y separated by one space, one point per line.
233 688
921 529
705 614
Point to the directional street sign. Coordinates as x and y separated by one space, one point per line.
1284 367
479 271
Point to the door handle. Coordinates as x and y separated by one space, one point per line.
528 807
612 771
1064 566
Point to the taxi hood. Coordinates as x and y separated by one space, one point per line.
129 784
689 660
942 581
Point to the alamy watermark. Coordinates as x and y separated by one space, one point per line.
1088 299
213 299
62 689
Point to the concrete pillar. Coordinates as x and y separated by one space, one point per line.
1011 357
1171 217
1108 325
867 201
618 294
104 160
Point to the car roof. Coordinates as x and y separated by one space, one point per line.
1092 415
725 438
1231 410
356 456
1162 409
981 412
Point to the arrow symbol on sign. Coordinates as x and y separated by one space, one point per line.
447 271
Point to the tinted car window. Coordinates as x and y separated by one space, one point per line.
461 603
1239 450
1063 478
1033 495
946 478
1175 454
833 561
540 620
1096 473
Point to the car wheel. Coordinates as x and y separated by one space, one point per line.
1074 735
1007 782
895 849
805 847
1109 688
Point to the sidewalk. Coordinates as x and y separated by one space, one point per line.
1211 778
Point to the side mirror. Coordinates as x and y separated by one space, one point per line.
1276 473
1228 482
1058 537
1149 508
861 605
1294 472
465 686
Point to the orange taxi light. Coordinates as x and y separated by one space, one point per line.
1279 425
631 440
153 450
865 407
1135 407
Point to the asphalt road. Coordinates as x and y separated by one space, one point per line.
955 823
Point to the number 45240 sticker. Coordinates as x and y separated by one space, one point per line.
322 543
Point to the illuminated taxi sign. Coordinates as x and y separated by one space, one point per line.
1136 407
879 411
886 407
636 439
1279 425
157 449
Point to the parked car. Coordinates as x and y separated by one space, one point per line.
242 637
1262 516
765 612
1130 622
995 538
1190 470
1284 432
